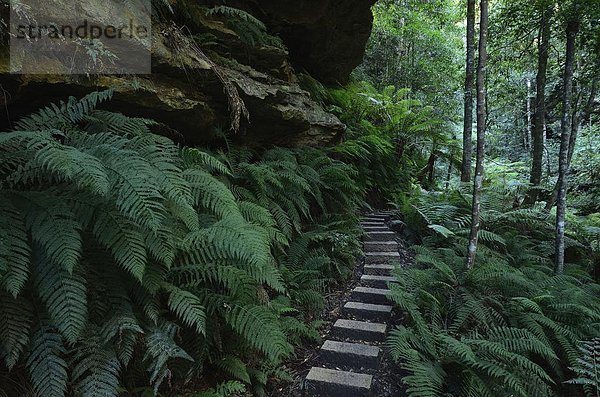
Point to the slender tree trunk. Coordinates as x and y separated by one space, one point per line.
565 129
449 173
575 120
539 117
481 127
465 173
575 126
527 131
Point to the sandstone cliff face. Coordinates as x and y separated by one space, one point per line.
186 89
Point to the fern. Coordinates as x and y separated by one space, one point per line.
188 308
15 328
588 367
255 324
250 29
96 368
64 296
224 390
120 250
508 325
47 367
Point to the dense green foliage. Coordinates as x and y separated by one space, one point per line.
130 264
388 140
130 261
509 326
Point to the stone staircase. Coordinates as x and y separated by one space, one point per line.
349 359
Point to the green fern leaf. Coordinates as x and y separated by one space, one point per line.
15 253
95 369
64 295
17 319
47 368
188 308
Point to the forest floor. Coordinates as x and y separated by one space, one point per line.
387 379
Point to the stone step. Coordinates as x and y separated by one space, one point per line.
373 220
370 280
380 235
376 296
359 330
382 270
367 311
381 246
372 223
376 229
381 257
324 382
349 355
376 216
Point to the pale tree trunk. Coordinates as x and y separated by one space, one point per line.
565 130
465 172
481 127
539 117
575 126
450 158
527 132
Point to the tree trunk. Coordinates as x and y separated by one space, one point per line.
481 127
527 131
539 117
450 158
565 129
575 126
465 173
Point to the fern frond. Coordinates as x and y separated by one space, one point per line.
17 319
188 308
63 294
96 368
259 327
45 362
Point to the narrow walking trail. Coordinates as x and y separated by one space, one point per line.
350 357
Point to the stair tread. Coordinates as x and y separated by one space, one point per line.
380 266
353 379
351 348
374 277
361 325
375 291
368 307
